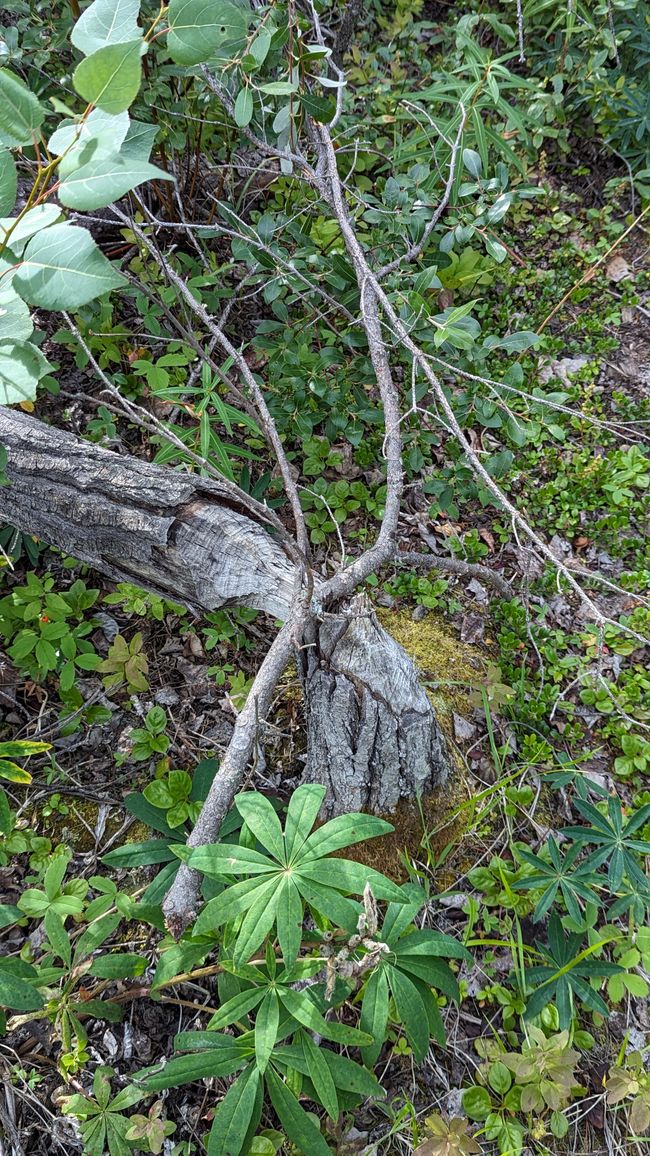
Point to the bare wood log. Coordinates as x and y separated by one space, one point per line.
183 537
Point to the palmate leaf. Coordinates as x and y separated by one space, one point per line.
291 874
564 974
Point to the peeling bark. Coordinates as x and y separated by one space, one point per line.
373 738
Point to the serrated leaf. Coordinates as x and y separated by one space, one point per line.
106 22
199 28
62 268
99 183
8 182
110 78
21 114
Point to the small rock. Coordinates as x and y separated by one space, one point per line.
419 613
617 269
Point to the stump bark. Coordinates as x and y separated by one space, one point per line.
373 737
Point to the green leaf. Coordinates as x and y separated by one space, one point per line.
472 162
302 812
232 902
139 854
266 1029
230 1128
300 1006
118 966
95 934
62 268
346 875
54 875
40 217
343 832
8 182
199 28
9 771
321 1077
243 108
110 78
106 22
257 922
186 1069
374 1014
411 1011
22 366
222 860
99 183
21 114
299 1128
58 936
341 912
17 994
477 1103
289 920
260 816
9 914
235 1009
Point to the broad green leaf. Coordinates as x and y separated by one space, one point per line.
126 1098
244 107
106 22
261 817
266 1029
22 748
95 934
433 972
472 162
54 875
435 943
97 136
118 965
350 1076
346 875
22 366
302 812
299 1128
8 181
21 114
9 914
62 268
199 28
139 140
229 1130
19 231
110 78
341 912
178 959
321 1077
17 994
374 1014
343 832
139 854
